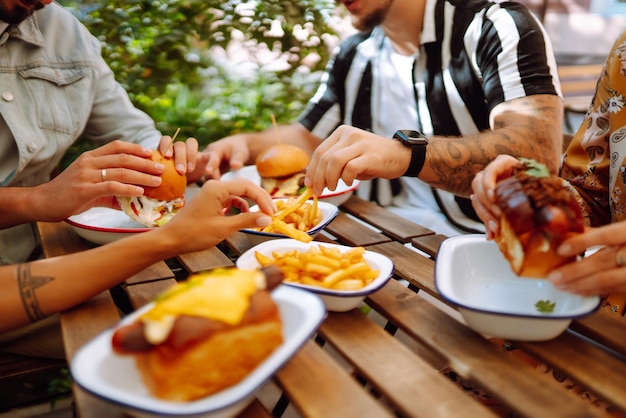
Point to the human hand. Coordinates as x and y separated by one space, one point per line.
202 222
185 154
94 179
483 185
230 153
350 153
601 273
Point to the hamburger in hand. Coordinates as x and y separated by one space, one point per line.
205 334
157 205
538 213
282 168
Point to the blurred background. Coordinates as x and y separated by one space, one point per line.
216 67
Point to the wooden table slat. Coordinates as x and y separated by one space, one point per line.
409 382
604 327
603 374
145 293
157 271
429 244
312 375
475 358
391 224
351 232
204 260
410 266
58 238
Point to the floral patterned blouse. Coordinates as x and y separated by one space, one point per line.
594 164
595 161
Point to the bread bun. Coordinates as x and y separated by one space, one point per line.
173 183
206 334
282 160
538 214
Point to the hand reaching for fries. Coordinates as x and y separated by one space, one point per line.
323 267
294 217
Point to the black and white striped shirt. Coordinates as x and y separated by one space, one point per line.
473 55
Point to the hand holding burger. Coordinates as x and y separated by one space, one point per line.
533 213
158 204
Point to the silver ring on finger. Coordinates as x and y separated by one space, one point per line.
620 258
103 174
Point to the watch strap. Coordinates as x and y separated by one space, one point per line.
418 158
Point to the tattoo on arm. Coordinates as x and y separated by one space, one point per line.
27 284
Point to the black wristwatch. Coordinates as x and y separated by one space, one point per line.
418 142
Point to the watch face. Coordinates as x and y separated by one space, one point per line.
410 137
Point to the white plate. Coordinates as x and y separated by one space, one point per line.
329 213
335 300
472 273
104 225
98 370
336 197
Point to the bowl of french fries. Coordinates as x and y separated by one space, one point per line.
300 218
341 276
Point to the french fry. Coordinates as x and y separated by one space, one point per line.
324 267
294 217
292 208
290 231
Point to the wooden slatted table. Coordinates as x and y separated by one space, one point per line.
355 366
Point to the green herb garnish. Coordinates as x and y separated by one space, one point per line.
545 306
535 168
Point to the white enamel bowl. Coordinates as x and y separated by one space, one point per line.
104 225
114 378
335 300
329 213
472 274
335 197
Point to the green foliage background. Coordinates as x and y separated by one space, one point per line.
170 57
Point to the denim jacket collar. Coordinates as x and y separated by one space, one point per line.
27 30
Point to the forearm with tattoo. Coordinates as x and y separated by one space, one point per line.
28 284
528 127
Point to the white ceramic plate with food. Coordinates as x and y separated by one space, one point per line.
98 370
328 210
472 274
335 300
104 225
335 197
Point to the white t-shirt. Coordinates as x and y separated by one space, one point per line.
393 110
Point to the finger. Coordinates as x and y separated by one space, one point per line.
212 168
238 203
238 158
610 235
165 146
329 168
120 147
127 177
192 153
599 282
313 169
125 161
180 157
243 188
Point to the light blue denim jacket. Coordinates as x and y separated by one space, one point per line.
54 88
